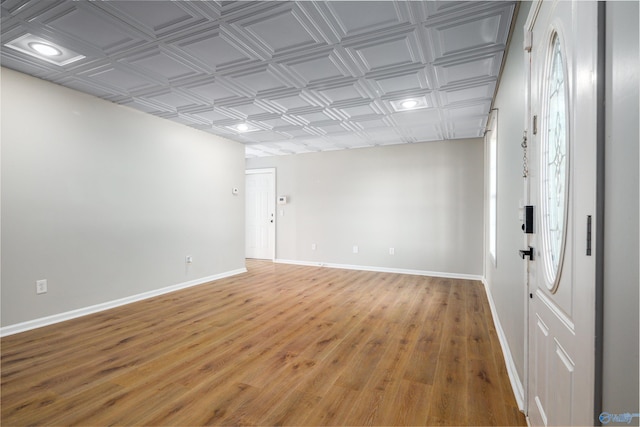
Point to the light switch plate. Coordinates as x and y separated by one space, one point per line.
41 286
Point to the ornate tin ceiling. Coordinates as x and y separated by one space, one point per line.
280 77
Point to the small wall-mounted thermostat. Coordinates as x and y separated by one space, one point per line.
282 200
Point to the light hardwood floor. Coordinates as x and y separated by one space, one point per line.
279 345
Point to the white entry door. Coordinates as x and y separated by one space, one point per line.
260 213
561 37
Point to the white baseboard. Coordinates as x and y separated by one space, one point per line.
382 269
61 317
514 378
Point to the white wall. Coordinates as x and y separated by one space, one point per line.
506 279
424 200
621 276
105 202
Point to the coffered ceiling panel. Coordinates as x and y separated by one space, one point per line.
281 77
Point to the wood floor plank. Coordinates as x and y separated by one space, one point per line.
448 404
278 345
410 405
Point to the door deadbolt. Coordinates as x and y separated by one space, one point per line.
525 253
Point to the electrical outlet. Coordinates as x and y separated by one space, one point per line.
41 286
313 247
188 259
392 251
355 249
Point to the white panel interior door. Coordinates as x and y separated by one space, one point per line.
562 119
260 213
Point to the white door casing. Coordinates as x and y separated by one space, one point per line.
562 143
260 214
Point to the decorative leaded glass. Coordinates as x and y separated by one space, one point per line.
555 163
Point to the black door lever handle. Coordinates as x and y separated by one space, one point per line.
528 253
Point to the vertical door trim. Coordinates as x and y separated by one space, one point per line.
600 212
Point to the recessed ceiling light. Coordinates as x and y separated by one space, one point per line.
409 103
243 128
45 49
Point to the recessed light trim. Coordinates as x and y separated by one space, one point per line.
42 49
242 127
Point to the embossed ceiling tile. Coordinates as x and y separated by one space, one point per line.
291 102
398 83
94 28
27 66
331 127
388 53
438 8
120 79
264 136
424 133
343 93
481 109
416 117
26 9
294 148
463 36
352 21
280 31
189 121
261 81
319 116
349 140
383 134
470 128
152 107
314 143
156 16
140 105
474 69
372 123
211 116
472 32
277 124
223 130
293 132
248 109
86 87
214 51
164 64
483 91
172 100
321 68
212 91
358 111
